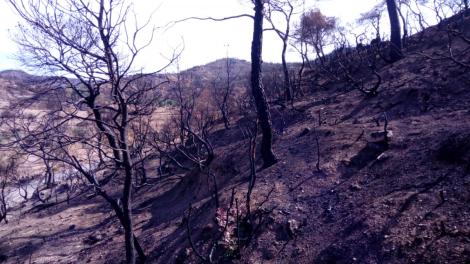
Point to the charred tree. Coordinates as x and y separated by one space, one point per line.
286 10
396 44
82 44
259 95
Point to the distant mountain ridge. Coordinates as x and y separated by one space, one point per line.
218 67
18 81
215 66
15 74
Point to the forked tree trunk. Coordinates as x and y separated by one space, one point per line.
124 212
125 220
396 45
127 188
259 95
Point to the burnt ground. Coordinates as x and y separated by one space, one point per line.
401 201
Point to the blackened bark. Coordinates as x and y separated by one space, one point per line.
259 95
225 119
49 173
127 210
127 188
3 204
396 45
224 108
286 72
405 27
126 216
122 219
121 140
140 251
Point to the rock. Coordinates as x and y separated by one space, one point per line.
355 187
292 227
45 194
382 157
455 231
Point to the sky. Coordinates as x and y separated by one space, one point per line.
203 41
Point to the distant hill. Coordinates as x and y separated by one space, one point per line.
18 76
18 83
202 74
14 74
219 66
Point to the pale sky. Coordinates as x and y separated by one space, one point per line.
204 41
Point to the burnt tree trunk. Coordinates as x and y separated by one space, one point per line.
259 95
121 153
405 27
286 72
49 173
396 45
122 139
3 204
224 108
127 202
225 119
124 220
